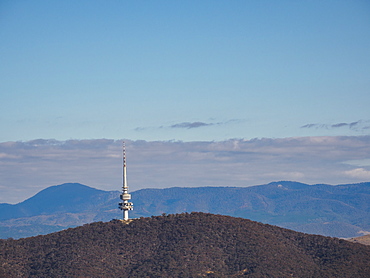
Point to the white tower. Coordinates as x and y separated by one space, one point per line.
125 196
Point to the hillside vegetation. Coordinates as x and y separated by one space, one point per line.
182 245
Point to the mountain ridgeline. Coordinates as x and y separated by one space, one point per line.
339 211
182 245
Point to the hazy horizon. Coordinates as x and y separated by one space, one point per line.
28 167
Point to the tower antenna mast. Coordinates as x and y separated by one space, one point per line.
125 205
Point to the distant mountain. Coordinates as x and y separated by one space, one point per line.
340 211
56 208
68 197
182 245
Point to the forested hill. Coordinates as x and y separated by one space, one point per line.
182 245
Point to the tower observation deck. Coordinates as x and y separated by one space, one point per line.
125 205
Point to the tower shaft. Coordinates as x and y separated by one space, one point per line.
125 196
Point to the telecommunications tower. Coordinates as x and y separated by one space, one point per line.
125 196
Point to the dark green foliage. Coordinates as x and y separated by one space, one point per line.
182 245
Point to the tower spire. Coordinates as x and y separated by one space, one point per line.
125 196
124 178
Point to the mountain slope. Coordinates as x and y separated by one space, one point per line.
68 197
340 211
56 208
183 245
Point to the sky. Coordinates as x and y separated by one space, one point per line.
180 72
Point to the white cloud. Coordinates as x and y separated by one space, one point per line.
8 156
359 173
33 165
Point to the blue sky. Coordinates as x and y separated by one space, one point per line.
183 70
206 93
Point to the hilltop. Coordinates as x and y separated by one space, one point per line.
182 245
362 239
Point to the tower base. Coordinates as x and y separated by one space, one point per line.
128 221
